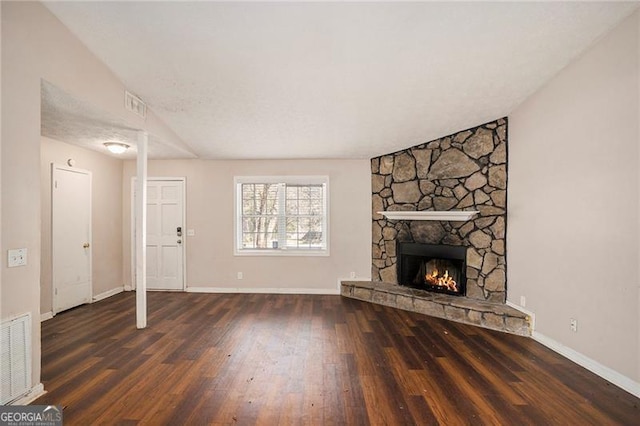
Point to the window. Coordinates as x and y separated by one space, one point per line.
282 215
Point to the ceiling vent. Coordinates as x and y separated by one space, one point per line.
135 104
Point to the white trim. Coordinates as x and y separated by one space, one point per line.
128 288
132 234
282 252
532 315
290 179
258 290
108 293
301 180
447 215
595 367
603 371
46 316
31 395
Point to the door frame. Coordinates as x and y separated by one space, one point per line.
183 182
54 167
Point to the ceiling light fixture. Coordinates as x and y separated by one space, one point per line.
116 147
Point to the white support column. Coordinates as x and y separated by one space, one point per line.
141 231
638 216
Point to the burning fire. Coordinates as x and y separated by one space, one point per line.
442 281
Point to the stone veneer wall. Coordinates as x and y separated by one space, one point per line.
463 171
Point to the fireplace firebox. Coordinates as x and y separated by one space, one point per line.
438 268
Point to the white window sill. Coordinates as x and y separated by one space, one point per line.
280 252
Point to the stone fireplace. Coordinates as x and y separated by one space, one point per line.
463 171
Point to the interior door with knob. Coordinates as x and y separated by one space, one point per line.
165 239
70 237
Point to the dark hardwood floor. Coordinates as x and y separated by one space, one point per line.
237 359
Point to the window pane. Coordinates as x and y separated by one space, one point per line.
303 207
315 224
248 191
302 216
316 191
248 206
292 200
292 232
248 224
292 225
292 192
259 241
304 202
316 207
292 206
304 233
259 232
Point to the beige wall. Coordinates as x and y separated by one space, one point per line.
35 46
210 198
106 215
573 203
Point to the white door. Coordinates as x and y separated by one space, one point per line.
71 237
165 234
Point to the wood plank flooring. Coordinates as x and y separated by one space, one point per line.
234 359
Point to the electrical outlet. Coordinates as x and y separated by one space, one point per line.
191 233
523 301
240 275
16 257
352 275
574 325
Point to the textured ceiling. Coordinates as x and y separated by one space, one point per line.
332 80
65 118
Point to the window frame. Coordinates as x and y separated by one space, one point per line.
238 181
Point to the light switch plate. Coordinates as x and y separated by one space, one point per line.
191 233
17 257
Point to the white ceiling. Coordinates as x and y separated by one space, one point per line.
332 80
66 118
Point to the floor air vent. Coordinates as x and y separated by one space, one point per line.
15 363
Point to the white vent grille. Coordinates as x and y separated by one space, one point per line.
15 363
135 104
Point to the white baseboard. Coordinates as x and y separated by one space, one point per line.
31 395
128 288
332 291
340 280
605 372
107 293
46 316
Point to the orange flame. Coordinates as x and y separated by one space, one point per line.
445 280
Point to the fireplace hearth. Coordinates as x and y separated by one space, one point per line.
432 267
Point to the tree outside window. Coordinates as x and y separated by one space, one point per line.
282 216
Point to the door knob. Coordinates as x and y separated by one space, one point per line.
179 241
85 245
